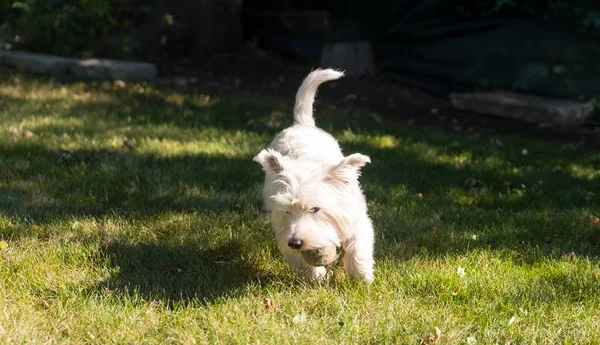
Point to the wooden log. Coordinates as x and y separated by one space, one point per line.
35 63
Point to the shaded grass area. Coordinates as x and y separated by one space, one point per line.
131 213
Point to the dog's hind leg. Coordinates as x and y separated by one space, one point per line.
298 264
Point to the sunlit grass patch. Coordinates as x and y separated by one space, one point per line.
131 213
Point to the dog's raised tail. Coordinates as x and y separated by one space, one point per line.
303 110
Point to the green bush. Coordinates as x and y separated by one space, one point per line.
81 28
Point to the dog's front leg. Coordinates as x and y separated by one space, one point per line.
358 257
298 264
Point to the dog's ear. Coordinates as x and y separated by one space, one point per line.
271 161
348 169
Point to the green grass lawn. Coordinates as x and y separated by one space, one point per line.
162 239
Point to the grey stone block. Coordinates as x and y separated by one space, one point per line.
113 69
542 110
35 63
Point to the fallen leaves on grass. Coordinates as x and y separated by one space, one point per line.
269 305
595 220
512 320
460 271
129 143
299 318
432 339
474 183
221 260
475 186
131 191
419 196
172 269
87 156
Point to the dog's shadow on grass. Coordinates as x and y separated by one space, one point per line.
178 274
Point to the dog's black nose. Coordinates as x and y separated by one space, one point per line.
295 243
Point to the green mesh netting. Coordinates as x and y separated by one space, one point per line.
548 48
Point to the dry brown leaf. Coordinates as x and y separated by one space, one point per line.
269 305
432 339
420 195
221 260
28 134
595 220
128 143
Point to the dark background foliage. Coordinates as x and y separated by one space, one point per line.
538 47
151 30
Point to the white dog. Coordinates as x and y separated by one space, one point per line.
312 191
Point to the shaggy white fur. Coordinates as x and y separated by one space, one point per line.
312 191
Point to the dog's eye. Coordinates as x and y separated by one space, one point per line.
315 209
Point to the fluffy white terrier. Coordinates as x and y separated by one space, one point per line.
312 191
